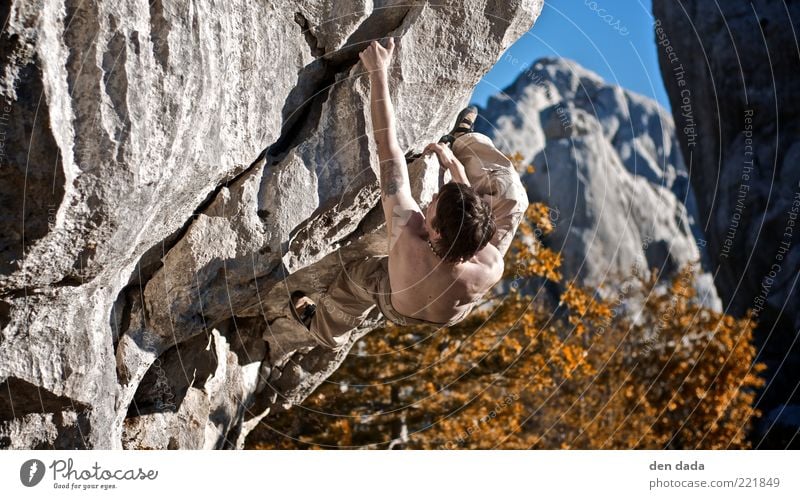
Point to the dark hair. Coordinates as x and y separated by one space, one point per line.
464 222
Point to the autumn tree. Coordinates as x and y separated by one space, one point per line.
542 364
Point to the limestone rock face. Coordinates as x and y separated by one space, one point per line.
731 74
608 165
169 173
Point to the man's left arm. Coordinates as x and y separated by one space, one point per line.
399 206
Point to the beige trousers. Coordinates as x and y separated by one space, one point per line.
364 284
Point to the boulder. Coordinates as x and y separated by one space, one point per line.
730 70
170 173
607 164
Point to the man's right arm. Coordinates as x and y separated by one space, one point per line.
448 162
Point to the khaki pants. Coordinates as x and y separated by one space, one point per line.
494 179
364 284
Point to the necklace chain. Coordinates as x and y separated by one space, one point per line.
430 245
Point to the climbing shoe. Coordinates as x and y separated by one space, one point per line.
465 123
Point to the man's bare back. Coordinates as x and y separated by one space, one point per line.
425 287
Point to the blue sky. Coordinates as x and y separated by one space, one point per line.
613 38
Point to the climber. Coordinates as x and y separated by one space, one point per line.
441 260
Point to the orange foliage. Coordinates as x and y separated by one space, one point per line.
528 371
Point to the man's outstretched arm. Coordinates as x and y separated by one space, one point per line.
399 206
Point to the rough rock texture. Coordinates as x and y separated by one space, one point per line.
731 71
148 248
609 167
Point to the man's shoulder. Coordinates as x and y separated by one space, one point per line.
497 263
414 227
491 264
411 236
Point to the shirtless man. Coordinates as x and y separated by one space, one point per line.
440 261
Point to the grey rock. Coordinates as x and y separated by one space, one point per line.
610 169
168 178
737 114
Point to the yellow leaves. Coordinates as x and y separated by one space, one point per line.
342 425
573 357
682 284
516 159
538 214
584 308
589 378
513 345
576 299
546 265
704 360
528 256
752 377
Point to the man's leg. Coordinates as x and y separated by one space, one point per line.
494 178
348 301
480 157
